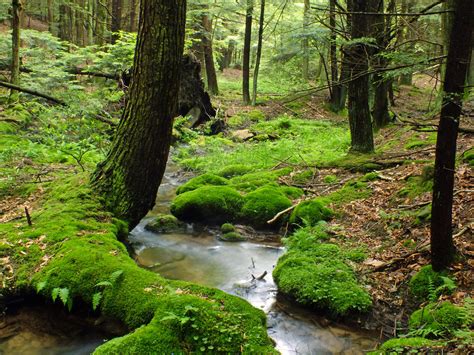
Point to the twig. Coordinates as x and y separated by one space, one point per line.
261 277
28 217
279 214
419 204
386 265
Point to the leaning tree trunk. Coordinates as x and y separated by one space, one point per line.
208 55
259 52
442 247
129 177
246 54
16 20
360 122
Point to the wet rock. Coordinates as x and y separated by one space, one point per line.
165 223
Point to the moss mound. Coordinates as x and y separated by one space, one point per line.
227 228
438 319
214 204
402 345
252 181
200 181
316 274
262 205
232 237
164 223
310 213
425 281
234 170
75 256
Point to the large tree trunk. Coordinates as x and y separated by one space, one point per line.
359 114
259 51
246 54
116 24
129 177
17 9
335 91
133 16
306 20
442 247
208 55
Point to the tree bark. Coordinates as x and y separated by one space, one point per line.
133 16
208 54
360 122
246 54
17 9
335 91
442 247
307 8
259 51
129 177
116 24
407 35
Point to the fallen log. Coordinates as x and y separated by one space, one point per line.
32 92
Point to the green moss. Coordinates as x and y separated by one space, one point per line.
416 186
438 319
351 191
227 228
200 181
208 204
424 280
164 223
310 213
303 177
234 170
316 274
370 176
292 192
330 179
232 237
256 115
468 157
251 181
262 205
401 345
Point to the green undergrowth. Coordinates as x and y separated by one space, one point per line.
298 142
317 274
71 253
428 284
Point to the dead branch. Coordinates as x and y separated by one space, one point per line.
32 92
281 213
390 263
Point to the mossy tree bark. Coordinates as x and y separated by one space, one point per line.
360 121
442 247
129 177
246 54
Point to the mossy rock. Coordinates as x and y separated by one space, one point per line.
260 178
165 223
262 205
441 319
208 204
310 212
423 280
316 274
234 170
232 237
403 345
200 181
227 228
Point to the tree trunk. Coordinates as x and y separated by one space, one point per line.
359 114
129 177
17 9
246 54
407 35
116 24
133 16
442 247
100 22
335 91
212 86
51 27
306 20
259 51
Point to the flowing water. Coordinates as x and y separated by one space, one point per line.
198 256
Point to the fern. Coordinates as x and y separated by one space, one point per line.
115 276
55 293
40 286
96 298
64 295
103 284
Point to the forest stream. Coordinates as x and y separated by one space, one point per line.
198 256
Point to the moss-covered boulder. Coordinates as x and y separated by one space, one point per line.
438 319
232 237
234 170
262 205
310 213
254 180
316 274
200 181
165 223
404 345
208 204
426 281
227 228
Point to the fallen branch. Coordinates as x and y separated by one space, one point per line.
32 92
390 263
261 277
281 213
419 204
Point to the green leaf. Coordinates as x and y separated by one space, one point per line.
104 284
40 286
115 275
64 295
55 293
96 300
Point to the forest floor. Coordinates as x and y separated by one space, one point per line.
391 223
